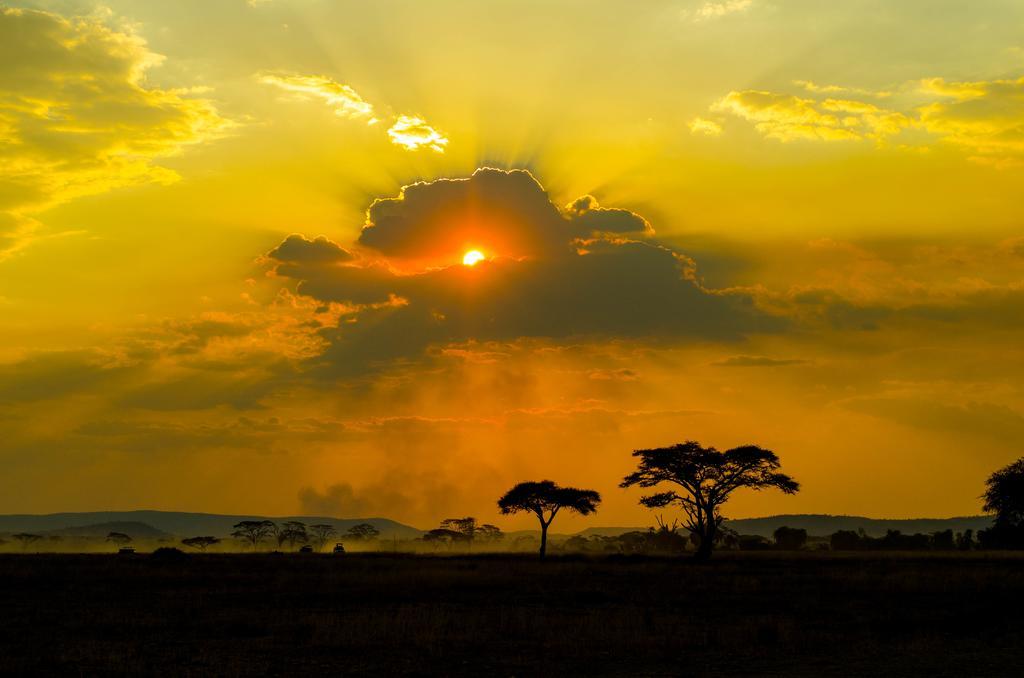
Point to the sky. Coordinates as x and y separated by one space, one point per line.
232 239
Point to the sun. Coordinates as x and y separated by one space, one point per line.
472 257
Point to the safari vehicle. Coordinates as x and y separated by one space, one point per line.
306 548
126 551
339 548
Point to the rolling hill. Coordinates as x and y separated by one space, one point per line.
177 523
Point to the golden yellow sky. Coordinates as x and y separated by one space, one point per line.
231 238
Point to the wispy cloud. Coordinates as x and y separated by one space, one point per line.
705 127
716 9
985 118
345 101
410 132
413 133
787 117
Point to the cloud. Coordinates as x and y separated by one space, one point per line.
342 501
716 9
971 420
344 100
786 117
501 213
587 271
708 128
77 117
410 132
413 133
814 87
757 361
297 249
984 118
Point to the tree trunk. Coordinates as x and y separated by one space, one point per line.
707 541
543 539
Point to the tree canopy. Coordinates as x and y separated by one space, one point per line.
545 499
706 477
1004 495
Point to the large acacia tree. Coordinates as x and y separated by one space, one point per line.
705 477
545 499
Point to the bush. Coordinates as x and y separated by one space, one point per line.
168 554
790 538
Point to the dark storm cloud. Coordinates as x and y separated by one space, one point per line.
570 274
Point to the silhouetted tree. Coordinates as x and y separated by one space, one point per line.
845 540
441 535
707 478
1004 497
465 527
943 541
666 538
490 534
753 542
119 538
200 543
253 531
362 532
26 539
545 499
321 533
965 540
1005 494
790 538
293 532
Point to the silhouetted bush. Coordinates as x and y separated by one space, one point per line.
753 542
168 554
790 538
1002 536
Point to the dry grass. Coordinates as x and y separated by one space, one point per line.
742 614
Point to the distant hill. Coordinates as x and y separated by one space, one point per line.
180 524
133 529
822 525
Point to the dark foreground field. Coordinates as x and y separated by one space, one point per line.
742 614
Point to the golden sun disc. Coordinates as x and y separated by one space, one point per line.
472 258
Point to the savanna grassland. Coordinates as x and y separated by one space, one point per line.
749 614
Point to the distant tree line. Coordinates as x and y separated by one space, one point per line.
294 533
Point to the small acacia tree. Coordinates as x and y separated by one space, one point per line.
119 538
200 543
362 532
706 477
545 499
26 538
489 534
253 531
465 527
293 532
320 533
441 536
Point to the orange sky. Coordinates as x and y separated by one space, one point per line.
231 242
